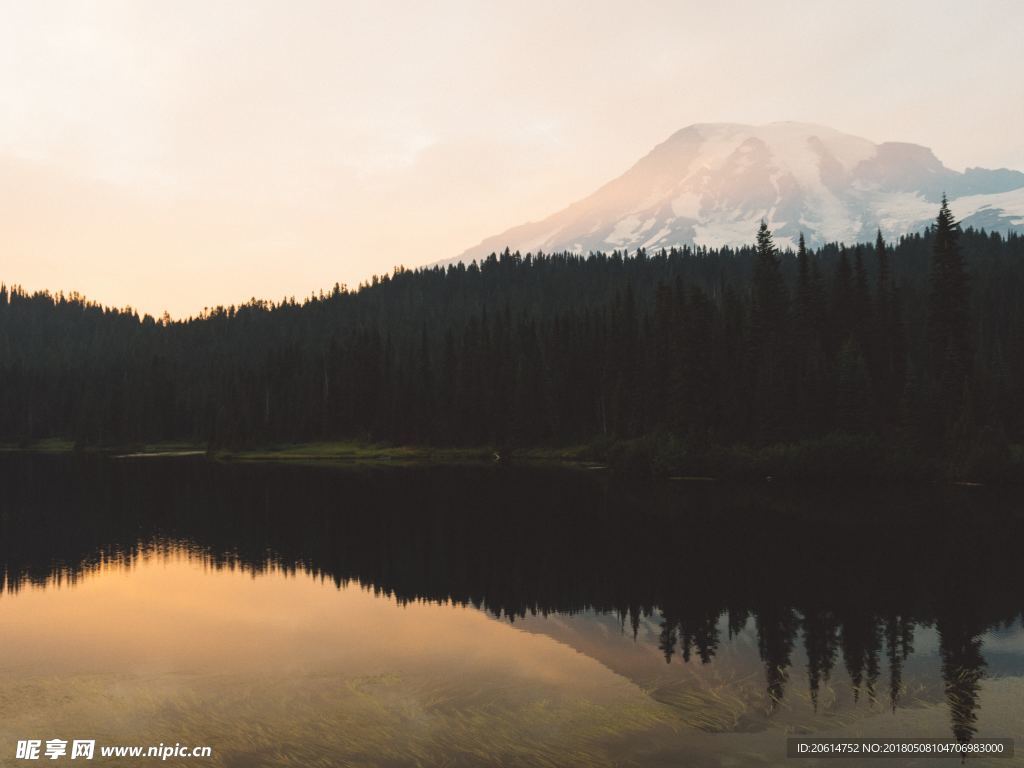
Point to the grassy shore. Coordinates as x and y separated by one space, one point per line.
353 452
339 452
62 445
836 457
356 453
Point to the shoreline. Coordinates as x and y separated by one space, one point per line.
833 458
322 452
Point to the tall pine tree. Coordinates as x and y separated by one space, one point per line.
768 315
949 322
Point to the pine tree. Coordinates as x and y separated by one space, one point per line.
885 281
560 347
861 297
949 322
808 341
768 290
887 359
843 302
804 290
664 357
853 407
696 365
769 307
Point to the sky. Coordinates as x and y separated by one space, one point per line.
178 155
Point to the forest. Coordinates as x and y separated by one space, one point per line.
884 358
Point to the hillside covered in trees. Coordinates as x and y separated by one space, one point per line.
669 357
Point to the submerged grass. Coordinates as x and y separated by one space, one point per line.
384 719
421 718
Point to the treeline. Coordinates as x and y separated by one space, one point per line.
918 343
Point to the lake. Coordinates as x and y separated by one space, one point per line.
321 616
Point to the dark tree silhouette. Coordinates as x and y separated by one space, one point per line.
920 349
949 325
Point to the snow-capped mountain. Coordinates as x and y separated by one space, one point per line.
712 183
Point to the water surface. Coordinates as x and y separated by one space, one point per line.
313 616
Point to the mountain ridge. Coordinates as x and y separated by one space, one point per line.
711 184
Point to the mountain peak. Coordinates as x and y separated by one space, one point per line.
712 183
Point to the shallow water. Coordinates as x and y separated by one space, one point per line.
309 616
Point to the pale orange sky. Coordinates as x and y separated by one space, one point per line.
176 155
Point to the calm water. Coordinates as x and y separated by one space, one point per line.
307 616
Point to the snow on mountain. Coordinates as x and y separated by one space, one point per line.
712 183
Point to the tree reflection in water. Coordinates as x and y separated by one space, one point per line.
847 574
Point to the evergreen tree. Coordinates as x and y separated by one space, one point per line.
853 409
949 322
809 343
844 323
768 317
699 343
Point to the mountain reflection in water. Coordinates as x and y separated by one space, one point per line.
664 584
